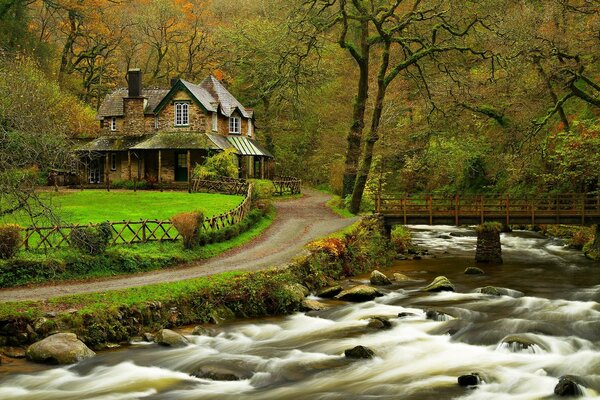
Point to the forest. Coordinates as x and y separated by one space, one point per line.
355 96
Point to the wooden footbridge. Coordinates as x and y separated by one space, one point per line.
568 209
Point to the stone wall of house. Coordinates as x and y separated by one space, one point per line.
224 125
105 127
134 118
199 121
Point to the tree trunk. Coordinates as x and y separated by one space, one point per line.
373 137
358 116
65 59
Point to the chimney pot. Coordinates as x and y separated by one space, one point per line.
134 82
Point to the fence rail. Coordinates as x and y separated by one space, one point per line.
129 232
287 185
572 208
222 185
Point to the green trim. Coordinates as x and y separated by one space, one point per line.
178 86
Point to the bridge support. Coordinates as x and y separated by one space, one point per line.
489 249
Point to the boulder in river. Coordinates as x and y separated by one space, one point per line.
379 279
521 342
406 314
359 352
220 373
313 305
472 379
359 293
167 337
439 284
200 331
60 348
379 323
401 278
567 386
330 292
474 271
435 315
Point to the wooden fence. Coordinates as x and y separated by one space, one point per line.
571 208
222 185
287 185
129 232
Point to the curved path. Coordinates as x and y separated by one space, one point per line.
298 221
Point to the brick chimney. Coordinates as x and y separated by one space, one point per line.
134 104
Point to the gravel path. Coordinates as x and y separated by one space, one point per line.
297 222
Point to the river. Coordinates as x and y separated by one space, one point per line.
553 302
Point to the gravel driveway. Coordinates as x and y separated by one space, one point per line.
298 221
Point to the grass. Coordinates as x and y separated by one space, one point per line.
93 206
336 203
37 267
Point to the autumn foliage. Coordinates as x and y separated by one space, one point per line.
188 225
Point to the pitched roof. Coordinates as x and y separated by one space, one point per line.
221 95
176 140
112 106
248 147
110 143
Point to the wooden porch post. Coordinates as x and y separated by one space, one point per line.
106 176
189 170
129 164
160 170
262 167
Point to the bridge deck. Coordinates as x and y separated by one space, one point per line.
568 209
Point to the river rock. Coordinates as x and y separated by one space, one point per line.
359 352
200 331
439 284
493 291
471 379
359 293
379 279
330 292
379 323
167 337
60 348
313 305
567 386
474 271
222 314
148 337
219 373
406 314
435 315
13 352
401 277
517 343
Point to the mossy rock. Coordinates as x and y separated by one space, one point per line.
567 386
313 305
330 292
493 291
440 284
221 314
474 271
402 278
167 337
61 348
379 279
359 293
359 352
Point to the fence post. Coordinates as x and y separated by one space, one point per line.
144 231
456 206
430 210
507 210
481 208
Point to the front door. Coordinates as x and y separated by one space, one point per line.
95 175
181 170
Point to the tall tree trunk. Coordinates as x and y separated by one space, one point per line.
373 136
65 59
358 116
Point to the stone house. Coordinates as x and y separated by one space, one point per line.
160 135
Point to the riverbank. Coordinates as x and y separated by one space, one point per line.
104 319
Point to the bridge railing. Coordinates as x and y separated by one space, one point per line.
501 208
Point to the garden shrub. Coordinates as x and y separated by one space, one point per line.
10 240
401 238
92 240
188 225
221 164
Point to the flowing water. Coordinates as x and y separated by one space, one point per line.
553 304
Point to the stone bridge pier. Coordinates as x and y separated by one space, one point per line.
489 249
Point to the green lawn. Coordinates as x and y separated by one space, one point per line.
92 206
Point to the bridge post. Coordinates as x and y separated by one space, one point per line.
387 231
489 249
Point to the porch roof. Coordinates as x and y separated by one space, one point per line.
248 147
110 143
178 141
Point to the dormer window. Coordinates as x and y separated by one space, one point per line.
182 114
113 124
235 125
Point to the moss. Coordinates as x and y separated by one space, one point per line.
489 227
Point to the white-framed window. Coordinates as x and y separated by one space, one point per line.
182 114
156 124
113 124
215 122
113 161
235 125
250 127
